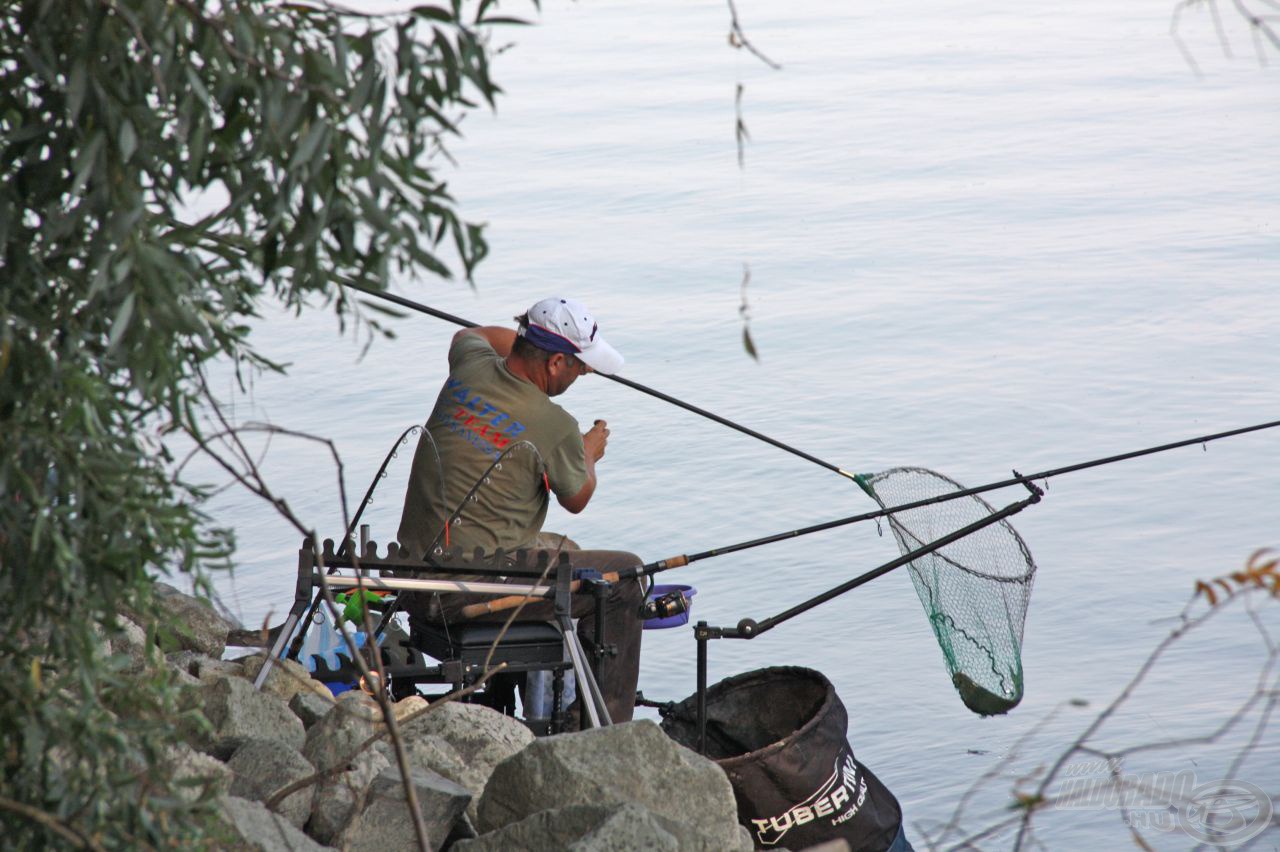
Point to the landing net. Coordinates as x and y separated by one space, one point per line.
975 590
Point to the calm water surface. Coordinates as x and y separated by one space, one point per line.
981 236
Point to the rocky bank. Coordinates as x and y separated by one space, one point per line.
293 768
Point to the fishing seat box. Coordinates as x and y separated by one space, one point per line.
525 646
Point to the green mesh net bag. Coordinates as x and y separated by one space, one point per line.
974 590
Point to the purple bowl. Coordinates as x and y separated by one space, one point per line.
675 620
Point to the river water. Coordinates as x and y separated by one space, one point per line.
980 237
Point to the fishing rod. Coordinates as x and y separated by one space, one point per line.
656 394
1072 468
373 484
1017 479
650 568
671 562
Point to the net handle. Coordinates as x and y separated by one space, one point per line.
748 628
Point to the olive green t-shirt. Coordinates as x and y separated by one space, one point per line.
486 414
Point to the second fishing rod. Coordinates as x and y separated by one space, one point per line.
1027 481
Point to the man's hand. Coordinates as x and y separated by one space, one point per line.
595 440
593 443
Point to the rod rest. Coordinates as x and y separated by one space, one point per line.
520 563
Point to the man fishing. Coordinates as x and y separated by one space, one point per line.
496 406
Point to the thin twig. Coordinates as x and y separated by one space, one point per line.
738 38
1039 799
49 821
1260 28
252 479
1259 24
1177 37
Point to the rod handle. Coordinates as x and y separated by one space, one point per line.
476 610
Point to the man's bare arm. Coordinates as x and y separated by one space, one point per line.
501 339
593 442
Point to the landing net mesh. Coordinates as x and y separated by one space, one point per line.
975 590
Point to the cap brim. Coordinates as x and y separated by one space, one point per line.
601 357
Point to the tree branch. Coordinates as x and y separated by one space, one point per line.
49 821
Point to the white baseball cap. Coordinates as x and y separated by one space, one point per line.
565 325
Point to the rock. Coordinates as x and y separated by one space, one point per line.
462 830
286 679
630 762
203 667
181 678
356 701
478 733
239 713
338 799
480 737
185 661
198 626
335 739
385 822
260 829
310 707
584 828
435 754
411 706
182 668
194 773
130 641
262 767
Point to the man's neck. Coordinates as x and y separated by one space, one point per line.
527 371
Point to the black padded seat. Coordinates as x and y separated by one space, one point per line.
528 642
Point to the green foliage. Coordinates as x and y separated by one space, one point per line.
164 166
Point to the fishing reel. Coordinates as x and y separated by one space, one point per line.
673 603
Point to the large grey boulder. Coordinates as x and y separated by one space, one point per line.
339 798
630 762
198 626
257 828
239 713
337 737
261 767
475 740
435 754
386 823
478 733
586 828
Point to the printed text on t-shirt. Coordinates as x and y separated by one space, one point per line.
484 426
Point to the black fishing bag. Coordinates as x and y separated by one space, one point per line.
781 736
